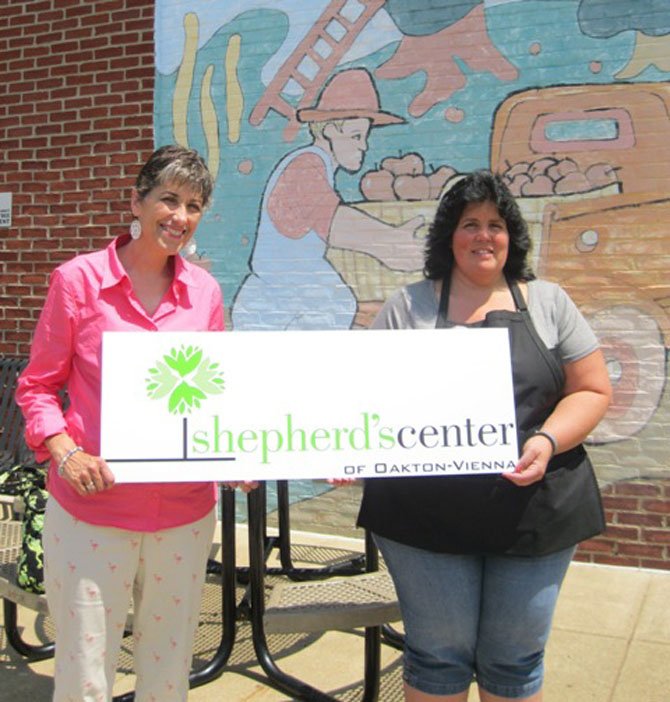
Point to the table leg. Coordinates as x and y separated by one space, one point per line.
286 683
295 688
214 668
34 652
353 566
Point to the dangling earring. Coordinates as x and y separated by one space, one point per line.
135 229
190 249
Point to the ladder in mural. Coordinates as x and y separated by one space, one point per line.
314 59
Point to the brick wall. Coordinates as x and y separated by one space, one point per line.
76 115
638 526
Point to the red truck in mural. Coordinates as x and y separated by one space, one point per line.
611 252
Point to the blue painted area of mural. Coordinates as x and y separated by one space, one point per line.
415 21
622 15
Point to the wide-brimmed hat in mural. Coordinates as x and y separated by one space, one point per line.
349 94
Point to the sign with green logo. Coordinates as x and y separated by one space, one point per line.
189 406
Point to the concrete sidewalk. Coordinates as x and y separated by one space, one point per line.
610 643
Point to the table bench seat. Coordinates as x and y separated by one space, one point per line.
339 603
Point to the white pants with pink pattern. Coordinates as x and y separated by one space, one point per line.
91 572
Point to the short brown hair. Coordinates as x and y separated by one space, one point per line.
179 165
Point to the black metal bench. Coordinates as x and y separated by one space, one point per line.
13 451
12 447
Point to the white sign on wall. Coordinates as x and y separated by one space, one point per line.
5 210
307 404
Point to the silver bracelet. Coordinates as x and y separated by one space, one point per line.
66 458
551 438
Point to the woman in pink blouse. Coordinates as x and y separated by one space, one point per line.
103 542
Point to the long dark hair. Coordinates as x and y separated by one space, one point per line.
478 186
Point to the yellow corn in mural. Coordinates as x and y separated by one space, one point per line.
234 97
182 89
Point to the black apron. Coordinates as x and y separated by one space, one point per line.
489 514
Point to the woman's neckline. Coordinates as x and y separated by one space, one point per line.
468 312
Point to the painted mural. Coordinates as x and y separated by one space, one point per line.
334 126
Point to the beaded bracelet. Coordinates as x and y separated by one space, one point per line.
66 458
550 437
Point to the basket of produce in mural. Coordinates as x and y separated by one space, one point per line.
402 188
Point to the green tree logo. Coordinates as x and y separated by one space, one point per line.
185 378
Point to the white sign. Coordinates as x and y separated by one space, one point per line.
307 404
5 210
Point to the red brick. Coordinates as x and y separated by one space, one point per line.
598 544
642 550
126 14
82 56
36 51
35 119
36 209
49 83
618 561
582 557
93 207
618 533
77 127
96 112
655 564
11 12
80 33
19 65
94 67
78 9
15 133
621 504
639 518
106 122
643 487
49 129
75 220
34 280
64 47
656 536
11 349
17 291
659 506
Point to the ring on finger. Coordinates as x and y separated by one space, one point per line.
89 486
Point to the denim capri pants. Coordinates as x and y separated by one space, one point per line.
475 617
